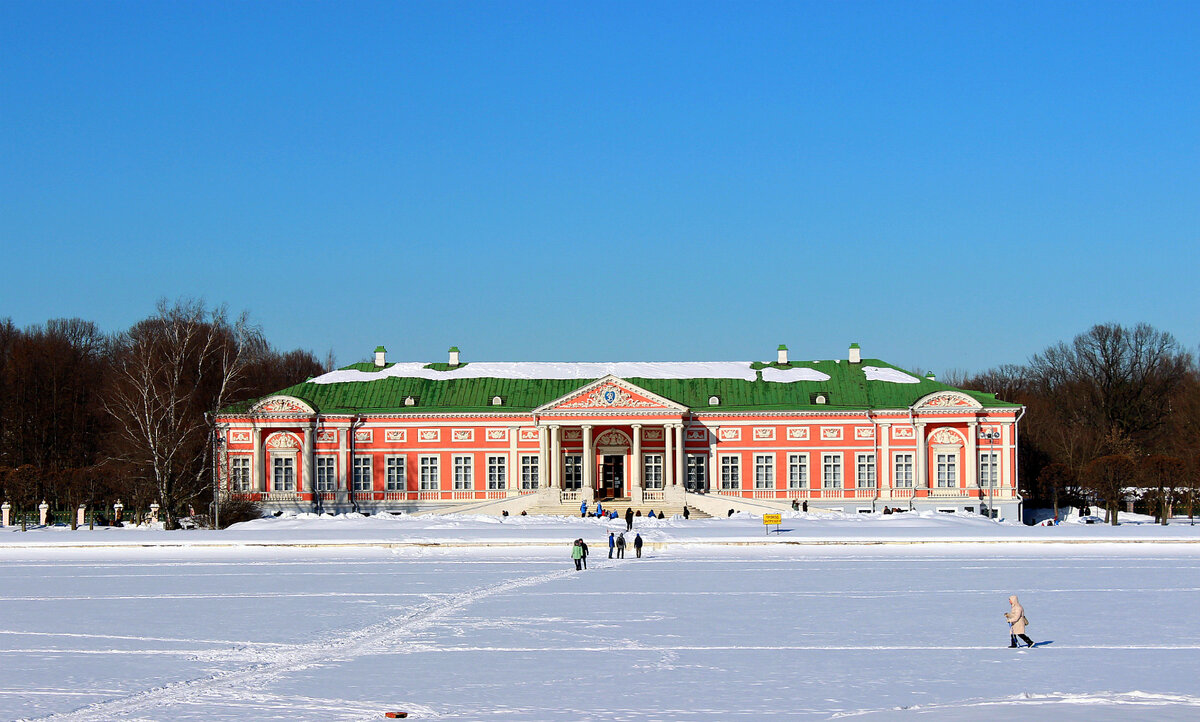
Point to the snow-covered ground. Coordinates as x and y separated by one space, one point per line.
695 629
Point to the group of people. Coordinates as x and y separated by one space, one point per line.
600 513
616 544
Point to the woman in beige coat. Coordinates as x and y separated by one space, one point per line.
1016 623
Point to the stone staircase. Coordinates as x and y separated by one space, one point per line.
620 505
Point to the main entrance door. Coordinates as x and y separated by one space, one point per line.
612 476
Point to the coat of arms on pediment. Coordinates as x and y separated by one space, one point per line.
611 393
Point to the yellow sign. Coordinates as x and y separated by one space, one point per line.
772 518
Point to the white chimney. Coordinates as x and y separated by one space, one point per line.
454 355
782 357
855 354
380 356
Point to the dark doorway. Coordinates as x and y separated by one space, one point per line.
612 477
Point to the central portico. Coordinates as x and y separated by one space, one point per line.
613 439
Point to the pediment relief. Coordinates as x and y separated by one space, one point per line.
947 400
611 394
281 405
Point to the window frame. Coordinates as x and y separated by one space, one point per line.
462 472
240 476
946 464
764 472
288 462
652 471
321 464
429 472
530 472
731 472
572 466
797 470
395 463
989 469
872 478
497 472
832 462
362 482
904 470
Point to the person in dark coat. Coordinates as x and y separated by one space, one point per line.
612 542
621 545
795 505
686 513
804 506
583 544
637 545
629 520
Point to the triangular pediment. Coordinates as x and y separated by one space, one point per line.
611 394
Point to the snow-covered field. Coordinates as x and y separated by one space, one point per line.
695 629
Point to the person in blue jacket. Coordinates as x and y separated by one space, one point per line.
599 510
614 515
650 515
612 542
583 508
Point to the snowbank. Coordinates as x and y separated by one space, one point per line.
552 370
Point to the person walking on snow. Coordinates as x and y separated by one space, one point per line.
629 519
621 545
637 545
1016 623
583 508
577 555
612 542
583 545
686 513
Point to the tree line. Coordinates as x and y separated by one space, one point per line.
89 418
1112 419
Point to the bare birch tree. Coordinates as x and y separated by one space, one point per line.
169 374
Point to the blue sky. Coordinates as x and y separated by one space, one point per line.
952 185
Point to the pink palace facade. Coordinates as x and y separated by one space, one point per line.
849 434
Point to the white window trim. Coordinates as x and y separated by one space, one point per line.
952 456
388 465
799 460
497 472
652 470
837 482
423 466
909 459
239 463
733 462
764 471
291 456
873 481
370 475
462 465
317 472
530 471
989 478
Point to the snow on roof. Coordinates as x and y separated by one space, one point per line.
553 370
895 376
787 376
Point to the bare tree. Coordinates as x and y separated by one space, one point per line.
169 374
1166 475
1107 477
1055 479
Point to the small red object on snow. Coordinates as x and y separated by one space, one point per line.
396 715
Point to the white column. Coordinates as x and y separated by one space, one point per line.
922 480
589 458
668 455
343 482
306 476
635 474
543 458
1006 476
259 480
885 467
714 468
513 472
972 460
554 468
680 457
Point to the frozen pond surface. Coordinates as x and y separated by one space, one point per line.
889 632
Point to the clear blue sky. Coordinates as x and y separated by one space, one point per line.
952 185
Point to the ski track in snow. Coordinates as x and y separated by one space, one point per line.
243 685
1134 698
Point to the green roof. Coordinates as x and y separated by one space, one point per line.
846 389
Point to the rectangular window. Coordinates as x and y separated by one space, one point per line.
764 471
989 468
904 471
362 473
866 471
396 474
463 472
239 473
731 474
529 472
697 472
573 472
429 473
947 473
653 468
497 472
831 468
326 473
797 471
284 477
